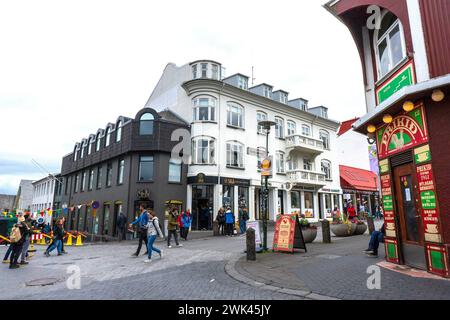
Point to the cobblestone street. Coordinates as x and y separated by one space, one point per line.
215 268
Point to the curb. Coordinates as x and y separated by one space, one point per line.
230 269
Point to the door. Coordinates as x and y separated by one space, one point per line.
280 202
202 207
411 230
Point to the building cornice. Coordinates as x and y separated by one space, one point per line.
199 86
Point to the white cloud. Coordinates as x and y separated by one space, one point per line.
68 68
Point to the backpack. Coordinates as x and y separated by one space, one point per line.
160 227
15 235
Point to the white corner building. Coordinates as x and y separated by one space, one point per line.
227 144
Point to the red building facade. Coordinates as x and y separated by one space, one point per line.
404 47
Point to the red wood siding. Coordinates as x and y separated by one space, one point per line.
436 27
438 118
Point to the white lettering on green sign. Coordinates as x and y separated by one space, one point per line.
403 79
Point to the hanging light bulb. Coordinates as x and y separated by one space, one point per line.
408 106
387 118
437 95
371 128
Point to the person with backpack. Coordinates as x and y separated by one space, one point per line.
243 218
221 221
153 230
172 228
58 236
230 220
17 240
141 223
186 219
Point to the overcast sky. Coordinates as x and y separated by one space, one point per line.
68 68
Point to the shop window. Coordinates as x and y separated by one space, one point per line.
309 200
295 200
389 43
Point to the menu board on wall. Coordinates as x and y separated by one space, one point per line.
389 217
430 214
404 132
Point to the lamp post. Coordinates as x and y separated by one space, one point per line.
266 125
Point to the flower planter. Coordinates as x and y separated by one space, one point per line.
343 230
360 229
309 234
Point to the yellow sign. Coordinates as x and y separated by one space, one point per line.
266 165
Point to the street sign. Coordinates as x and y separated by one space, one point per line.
266 166
255 226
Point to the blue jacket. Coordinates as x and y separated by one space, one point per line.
229 217
186 220
142 220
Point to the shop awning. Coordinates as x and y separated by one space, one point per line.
358 179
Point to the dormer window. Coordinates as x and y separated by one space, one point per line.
194 71
242 83
267 92
390 44
108 137
146 124
215 72
204 70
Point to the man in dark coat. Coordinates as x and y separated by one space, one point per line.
121 226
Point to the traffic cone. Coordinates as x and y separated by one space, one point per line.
69 240
79 242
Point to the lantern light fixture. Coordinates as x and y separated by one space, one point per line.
437 95
371 128
387 118
408 106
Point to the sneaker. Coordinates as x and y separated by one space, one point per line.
6 261
170 247
147 260
161 254
46 254
179 245
59 254
134 255
372 255
368 251
14 266
23 262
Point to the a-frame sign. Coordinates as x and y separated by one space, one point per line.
288 234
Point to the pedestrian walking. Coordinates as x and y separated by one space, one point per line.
186 219
243 218
7 254
153 231
121 226
221 221
230 220
58 236
141 224
17 239
172 228
27 239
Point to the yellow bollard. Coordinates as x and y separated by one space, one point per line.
79 242
69 240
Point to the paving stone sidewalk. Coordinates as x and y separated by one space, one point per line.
338 270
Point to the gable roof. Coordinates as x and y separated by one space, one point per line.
346 126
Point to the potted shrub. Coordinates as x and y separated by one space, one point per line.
361 228
309 230
342 227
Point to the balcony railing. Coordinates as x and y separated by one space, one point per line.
305 144
307 177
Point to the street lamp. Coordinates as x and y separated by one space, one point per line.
266 125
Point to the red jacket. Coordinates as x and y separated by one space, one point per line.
180 223
351 212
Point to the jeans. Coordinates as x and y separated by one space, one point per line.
243 226
142 238
8 252
222 228
25 247
16 251
184 232
375 240
174 232
150 246
57 244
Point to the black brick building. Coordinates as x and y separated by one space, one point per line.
122 166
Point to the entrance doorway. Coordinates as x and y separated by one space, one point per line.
280 202
202 207
411 230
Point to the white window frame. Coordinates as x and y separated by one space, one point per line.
194 69
212 103
308 165
209 152
304 126
323 133
215 72
119 131
378 40
267 92
242 83
328 175
231 148
260 116
82 150
279 130
280 162
291 128
204 67
90 146
232 108
178 164
108 137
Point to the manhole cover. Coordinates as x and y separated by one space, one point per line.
41 282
